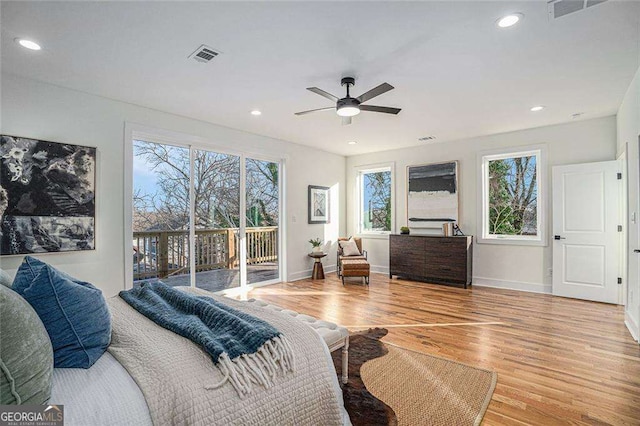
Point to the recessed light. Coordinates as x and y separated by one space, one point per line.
509 20
28 44
256 112
352 142
537 108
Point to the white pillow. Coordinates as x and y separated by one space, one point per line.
349 248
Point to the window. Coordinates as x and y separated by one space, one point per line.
375 200
512 197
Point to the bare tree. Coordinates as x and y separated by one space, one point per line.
216 190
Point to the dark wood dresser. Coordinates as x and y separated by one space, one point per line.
436 259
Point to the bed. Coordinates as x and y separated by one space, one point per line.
152 376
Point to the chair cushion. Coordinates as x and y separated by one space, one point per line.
355 268
73 312
26 355
349 248
351 258
355 261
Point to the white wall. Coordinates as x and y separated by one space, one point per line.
628 123
43 111
519 267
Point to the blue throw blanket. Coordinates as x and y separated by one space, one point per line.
246 349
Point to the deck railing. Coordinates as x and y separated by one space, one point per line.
159 254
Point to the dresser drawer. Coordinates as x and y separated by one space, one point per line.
446 259
446 272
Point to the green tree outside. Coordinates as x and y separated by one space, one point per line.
513 194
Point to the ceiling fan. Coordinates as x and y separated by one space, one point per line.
348 107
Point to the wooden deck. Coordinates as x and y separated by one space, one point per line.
559 361
222 279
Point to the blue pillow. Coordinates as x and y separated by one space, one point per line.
26 273
73 312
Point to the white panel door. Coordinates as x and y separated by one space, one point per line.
585 230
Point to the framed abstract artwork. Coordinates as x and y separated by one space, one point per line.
318 204
47 196
432 195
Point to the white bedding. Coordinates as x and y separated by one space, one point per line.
106 394
103 395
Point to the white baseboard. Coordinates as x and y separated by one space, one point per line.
301 275
378 269
306 273
298 275
632 326
512 285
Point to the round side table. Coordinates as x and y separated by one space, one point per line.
318 271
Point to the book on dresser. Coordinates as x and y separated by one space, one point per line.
432 258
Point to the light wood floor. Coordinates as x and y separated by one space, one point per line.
559 361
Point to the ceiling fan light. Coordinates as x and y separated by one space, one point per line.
348 111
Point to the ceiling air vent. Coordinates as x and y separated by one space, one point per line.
559 8
204 54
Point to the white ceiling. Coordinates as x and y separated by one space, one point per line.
456 74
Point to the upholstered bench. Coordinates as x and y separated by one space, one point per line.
355 268
334 336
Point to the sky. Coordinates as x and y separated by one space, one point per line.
144 179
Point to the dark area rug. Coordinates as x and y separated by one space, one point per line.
363 408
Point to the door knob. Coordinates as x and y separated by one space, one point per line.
636 251
558 237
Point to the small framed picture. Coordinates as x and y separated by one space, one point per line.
318 204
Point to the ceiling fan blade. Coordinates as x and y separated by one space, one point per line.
376 91
346 121
386 110
323 93
315 110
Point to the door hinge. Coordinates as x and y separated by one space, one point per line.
619 176
619 228
619 280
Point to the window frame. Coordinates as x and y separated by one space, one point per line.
359 198
539 151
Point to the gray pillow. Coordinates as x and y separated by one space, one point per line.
5 278
26 355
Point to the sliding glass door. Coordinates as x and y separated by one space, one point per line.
187 223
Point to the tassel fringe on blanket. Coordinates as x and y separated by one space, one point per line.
248 351
259 368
